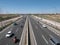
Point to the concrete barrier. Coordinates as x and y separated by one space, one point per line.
32 37
24 36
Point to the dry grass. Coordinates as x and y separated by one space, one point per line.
51 17
7 16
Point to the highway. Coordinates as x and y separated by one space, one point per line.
17 30
36 32
42 35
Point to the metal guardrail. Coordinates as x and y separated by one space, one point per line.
24 36
32 37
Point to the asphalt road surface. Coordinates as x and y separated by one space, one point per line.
42 35
17 30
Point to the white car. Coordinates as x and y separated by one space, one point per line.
44 26
9 34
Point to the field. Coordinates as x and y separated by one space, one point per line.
50 17
7 16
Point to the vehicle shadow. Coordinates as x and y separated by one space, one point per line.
12 35
17 41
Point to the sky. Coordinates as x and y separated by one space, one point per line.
29 6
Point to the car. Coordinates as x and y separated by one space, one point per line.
9 34
21 26
54 41
14 23
44 26
14 39
38 21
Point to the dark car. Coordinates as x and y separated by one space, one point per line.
15 24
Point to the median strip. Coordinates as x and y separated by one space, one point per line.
24 36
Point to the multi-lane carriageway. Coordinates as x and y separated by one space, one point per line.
32 33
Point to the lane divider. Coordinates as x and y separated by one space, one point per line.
45 39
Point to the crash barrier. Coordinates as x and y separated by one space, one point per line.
32 37
24 36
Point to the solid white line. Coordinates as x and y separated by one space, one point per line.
44 39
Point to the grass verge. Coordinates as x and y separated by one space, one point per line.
1 28
51 17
